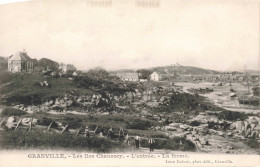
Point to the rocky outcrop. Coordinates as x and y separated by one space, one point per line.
10 122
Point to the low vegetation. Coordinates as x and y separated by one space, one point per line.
186 102
253 143
7 112
37 139
28 90
102 85
176 143
232 115
139 124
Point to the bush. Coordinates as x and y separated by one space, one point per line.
13 112
253 143
232 115
139 124
186 102
33 99
195 123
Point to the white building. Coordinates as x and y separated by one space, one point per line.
20 62
128 76
155 76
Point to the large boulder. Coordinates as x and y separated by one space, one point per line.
201 119
170 128
184 127
10 122
232 126
229 134
49 103
214 120
253 120
240 126
177 125
220 133
130 95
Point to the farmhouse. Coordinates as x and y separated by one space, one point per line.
128 76
155 76
20 62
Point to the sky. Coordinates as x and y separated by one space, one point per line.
212 34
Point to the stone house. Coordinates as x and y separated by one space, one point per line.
20 62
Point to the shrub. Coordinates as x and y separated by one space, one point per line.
186 102
33 99
139 124
232 115
253 143
195 123
13 112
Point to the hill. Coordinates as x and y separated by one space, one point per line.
179 70
252 72
183 70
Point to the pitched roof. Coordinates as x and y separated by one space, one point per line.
128 75
159 73
20 56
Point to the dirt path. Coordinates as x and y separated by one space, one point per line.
5 84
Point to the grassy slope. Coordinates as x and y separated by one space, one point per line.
27 85
6 77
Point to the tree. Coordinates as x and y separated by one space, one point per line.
71 67
98 73
3 63
144 74
48 64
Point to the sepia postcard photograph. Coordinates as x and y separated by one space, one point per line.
129 83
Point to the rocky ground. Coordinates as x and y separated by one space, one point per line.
176 111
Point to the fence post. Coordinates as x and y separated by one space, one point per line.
50 126
18 124
78 131
95 130
2 122
64 129
30 125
